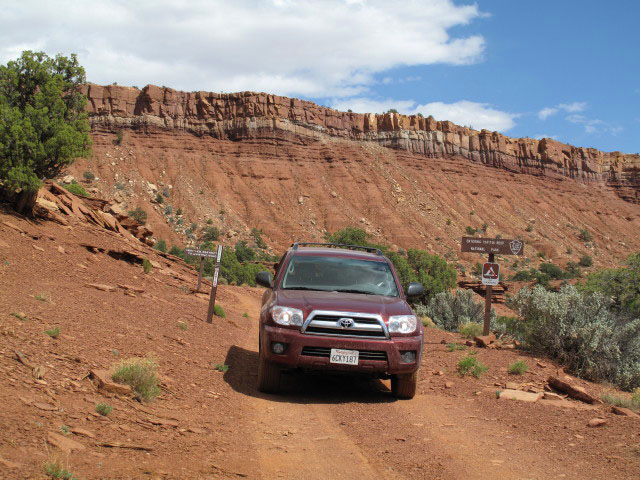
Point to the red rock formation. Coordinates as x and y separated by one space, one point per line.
248 115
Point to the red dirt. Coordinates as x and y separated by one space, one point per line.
208 424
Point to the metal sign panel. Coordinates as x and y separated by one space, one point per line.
490 273
201 253
500 246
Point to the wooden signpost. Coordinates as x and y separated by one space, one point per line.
491 270
202 254
214 288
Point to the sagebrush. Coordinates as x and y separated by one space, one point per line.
140 375
582 331
448 311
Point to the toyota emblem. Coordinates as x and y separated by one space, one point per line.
346 322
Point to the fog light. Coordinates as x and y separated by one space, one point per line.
409 356
277 348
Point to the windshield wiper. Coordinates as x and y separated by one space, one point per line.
351 290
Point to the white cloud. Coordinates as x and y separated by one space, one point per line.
463 112
319 49
595 125
540 136
566 107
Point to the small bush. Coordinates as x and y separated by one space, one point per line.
585 235
119 186
42 296
452 347
140 375
89 176
257 238
219 311
179 211
523 275
449 311
245 315
104 409
471 365
448 221
183 326
53 333
470 230
210 234
146 266
159 198
166 192
160 245
53 468
139 215
221 367
585 261
529 228
119 137
19 316
631 402
168 210
470 329
77 189
209 221
518 368
554 271
64 429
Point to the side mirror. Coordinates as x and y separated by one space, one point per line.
264 279
415 289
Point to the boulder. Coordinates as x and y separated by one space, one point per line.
573 391
596 422
519 395
627 412
102 378
485 341
63 443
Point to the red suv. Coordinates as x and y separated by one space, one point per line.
338 307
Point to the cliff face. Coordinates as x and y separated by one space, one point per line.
248 115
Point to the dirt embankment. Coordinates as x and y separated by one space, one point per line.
212 424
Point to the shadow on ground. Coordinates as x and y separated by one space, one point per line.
299 387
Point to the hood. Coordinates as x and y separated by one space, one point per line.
307 301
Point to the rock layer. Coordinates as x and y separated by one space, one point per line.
249 115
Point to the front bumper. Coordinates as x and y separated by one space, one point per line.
297 356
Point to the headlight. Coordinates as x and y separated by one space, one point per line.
287 316
403 324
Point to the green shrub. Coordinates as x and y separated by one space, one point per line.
54 468
183 325
470 230
119 137
77 189
210 234
622 285
632 402
159 198
221 367
89 176
160 245
471 365
140 375
585 261
470 329
451 347
53 333
104 409
572 270
257 238
139 215
580 331
179 211
524 275
518 368
119 186
448 310
552 270
177 251
244 253
529 228
585 235
146 265
219 311
168 210
166 192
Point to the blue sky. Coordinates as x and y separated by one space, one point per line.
565 69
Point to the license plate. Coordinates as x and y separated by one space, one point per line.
345 357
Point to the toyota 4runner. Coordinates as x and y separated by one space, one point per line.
338 307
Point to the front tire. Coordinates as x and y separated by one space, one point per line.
268 376
404 386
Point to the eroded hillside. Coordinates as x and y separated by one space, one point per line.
297 170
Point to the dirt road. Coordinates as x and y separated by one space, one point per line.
211 425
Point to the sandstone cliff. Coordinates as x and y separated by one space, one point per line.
248 115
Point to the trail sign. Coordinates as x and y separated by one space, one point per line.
490 273
196 252
214 287
499 246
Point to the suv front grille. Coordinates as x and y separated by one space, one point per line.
363 355
358 325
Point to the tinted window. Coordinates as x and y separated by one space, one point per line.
339 274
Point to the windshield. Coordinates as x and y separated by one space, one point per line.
347 275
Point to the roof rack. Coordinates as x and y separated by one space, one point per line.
375 250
